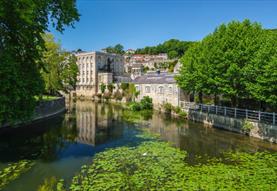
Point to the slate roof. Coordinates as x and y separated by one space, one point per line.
155 78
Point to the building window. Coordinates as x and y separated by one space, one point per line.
137 88
170 90
161 90
147 89
87 72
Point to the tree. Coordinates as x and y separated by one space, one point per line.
21 24
172 54
59 70
117 49
221 63
263 86
173 47
69 72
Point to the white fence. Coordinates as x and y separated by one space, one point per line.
252 115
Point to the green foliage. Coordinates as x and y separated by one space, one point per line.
174 48
117 49
135 106
247 126
52 184
118 95
102 88
156 165
131 93
234 61
110 88
167 107
59 69
124 86
144 104
13 171
21 47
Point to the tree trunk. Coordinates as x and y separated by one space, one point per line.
200 96
215 99
234 101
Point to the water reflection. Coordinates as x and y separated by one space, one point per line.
61 145
197 139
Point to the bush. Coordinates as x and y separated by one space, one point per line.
146 103
107 95
183 114
247 127
167 107
135 106
118 95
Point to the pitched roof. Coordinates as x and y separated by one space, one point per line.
156 78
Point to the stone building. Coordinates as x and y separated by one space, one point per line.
161 87
96 68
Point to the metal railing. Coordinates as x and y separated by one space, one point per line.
251 115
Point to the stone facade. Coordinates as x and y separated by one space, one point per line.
161 87
94 68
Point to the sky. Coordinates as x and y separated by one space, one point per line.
140 23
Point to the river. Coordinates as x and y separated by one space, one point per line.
61 145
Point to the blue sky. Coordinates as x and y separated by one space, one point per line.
139 23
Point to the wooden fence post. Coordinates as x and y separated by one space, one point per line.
225 111
246 114
235 113
216 109
259 115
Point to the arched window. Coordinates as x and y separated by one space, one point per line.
147 89
161 89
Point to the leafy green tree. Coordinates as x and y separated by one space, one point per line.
262 73
173 47
21 24
172 54
117 49
69 72
59 70
221 64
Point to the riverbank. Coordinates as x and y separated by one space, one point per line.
45 109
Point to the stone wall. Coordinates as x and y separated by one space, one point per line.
260 130
44 110
49 108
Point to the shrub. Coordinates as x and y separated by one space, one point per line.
102 88
124 86
110 87
247 127
177 109
146 103
183 114
107 95
118 95
135 106
99 95
167 107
